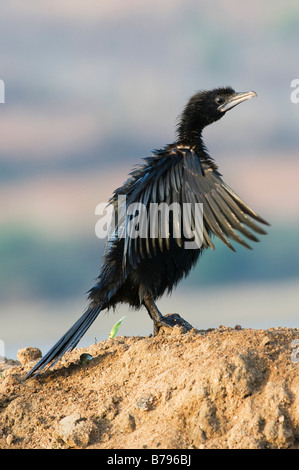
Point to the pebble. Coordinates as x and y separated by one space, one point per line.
75 430
29 354
145 403
9 439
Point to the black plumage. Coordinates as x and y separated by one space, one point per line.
138 270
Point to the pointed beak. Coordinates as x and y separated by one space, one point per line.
235 99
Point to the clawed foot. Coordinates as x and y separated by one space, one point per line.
169 321
164 323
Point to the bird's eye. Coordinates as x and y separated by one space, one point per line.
220 100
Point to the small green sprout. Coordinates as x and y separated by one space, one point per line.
115 328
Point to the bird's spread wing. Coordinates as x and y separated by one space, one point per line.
179 177
224 211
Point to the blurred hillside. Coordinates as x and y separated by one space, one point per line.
90 89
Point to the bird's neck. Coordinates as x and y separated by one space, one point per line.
194 141
198 146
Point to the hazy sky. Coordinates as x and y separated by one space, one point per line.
99 84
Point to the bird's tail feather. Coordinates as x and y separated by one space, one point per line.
68 341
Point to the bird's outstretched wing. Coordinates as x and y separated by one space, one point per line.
179 176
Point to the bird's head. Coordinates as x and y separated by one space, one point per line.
206 107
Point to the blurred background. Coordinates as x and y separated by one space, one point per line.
90 89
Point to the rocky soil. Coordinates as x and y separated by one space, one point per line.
222 388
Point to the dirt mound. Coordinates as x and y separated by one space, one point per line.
222 388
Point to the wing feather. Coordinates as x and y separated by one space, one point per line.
180 176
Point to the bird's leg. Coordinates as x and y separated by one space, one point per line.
153 312
160 320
